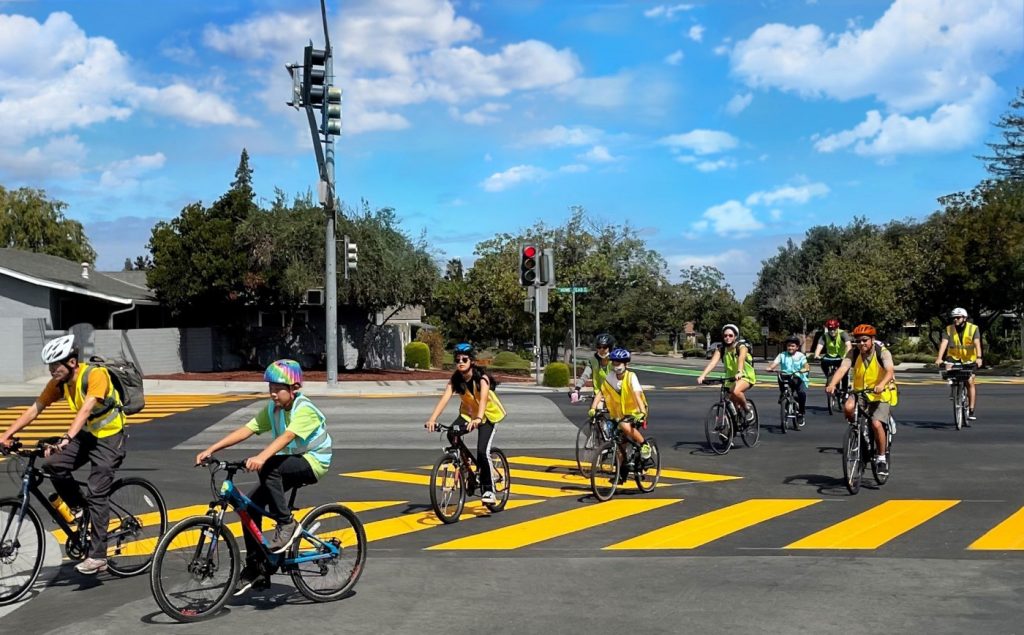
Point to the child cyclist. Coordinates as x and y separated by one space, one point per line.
624 397
793 363
480 409
298 454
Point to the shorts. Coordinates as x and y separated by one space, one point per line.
878 411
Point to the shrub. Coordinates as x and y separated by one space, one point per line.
660 348
917 358
507 358
417 355
432 338
556 374
693 352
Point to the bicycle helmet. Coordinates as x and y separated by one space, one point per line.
735 329
60 349
464 348
832 323
620 355
284 371
792 339
865 329
604 341
958 312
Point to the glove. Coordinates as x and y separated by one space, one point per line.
591 413
574 396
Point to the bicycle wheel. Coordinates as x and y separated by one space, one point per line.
718 429
447 489
832 402
958 412
587 440
191 578
751 430
604 471
22 548
138 517
784 413
648 471
853 461
329 554
501 482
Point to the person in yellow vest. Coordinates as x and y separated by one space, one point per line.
737 357
873 370
480 409
96 436
962 341
624 397
597 369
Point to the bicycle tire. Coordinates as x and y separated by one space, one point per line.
347 533
751 430
853 459
447 480
586 445
9 509
604 471
501 480
830 401
176 543
784 413
958 413
141 512
718 428
648 472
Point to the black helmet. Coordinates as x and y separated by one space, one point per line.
604 341
792 339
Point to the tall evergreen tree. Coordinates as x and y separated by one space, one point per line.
1007 160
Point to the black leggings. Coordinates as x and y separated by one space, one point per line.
281 472
797 385
485 434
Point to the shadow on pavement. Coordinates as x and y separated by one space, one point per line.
827 485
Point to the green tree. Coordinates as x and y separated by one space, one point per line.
711 301
1007 159
31 222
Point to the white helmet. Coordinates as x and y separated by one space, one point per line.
958 312
59 349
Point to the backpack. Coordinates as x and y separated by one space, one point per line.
127 382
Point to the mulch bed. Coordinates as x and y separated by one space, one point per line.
321 375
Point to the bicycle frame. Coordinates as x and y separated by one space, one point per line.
30 481
460 454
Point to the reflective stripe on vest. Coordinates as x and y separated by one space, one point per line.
112 417
962 349
866 377
621 403
494 412
318 445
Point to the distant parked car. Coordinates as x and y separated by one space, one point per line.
711 349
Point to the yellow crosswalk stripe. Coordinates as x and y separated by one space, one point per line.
555 525
876 526
410 523
424 479
1006 536
665 473
700 530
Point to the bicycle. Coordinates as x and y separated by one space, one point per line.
788 407
610 458
138 517
589 438
836 400
196 565
454 477
724 422
958 375
859 447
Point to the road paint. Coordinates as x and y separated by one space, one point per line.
876 526
424 479
1006 536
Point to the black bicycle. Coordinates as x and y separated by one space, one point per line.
454 477
724 421
959 375
789 409
859 447
138 517
836 400
197 563
590 437
618 452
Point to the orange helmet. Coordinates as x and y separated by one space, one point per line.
864 329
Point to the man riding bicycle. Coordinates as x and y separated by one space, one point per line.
624 397
873 371
598 368
836 343
963 341
96 436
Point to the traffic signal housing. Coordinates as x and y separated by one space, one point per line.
351 256
314 76
529 255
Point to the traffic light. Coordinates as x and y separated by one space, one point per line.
351 256
547 268
528 256
314 76
332 112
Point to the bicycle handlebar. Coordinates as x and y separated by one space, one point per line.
714 381
17 447
216 464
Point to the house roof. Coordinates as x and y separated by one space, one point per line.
58 273
134 277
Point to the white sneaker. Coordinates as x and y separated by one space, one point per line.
91 566
488 498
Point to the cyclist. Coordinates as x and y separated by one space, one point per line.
624 397
836 344
736 355
598 368
96 436
480 410
872 370
298 454
793 362
963 341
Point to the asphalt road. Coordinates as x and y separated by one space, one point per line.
783 548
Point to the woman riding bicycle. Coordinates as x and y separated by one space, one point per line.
480 409
737 357
598 368
793 363
624 397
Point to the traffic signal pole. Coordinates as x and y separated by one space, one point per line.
331 247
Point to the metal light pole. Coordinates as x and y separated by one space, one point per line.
575 344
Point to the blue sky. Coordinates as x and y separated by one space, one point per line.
719 128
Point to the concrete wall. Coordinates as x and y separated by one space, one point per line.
21 343
154 351
20 299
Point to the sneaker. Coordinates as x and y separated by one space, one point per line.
250 574
970 416
284 534
800 421
91 566
645 451
881 465
488 498
750 415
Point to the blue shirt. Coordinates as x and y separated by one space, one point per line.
791 365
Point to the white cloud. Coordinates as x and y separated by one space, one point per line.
798 194
731 256
714 166
696 33
63 155
739 103
560 136
673 59
701 141
574 168
263 36
598 92
597 154
125 173
667 11
729 218
479 116
500 181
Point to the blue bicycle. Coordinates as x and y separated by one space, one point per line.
197 563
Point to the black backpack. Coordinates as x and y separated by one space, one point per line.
127 382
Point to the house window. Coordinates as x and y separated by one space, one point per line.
271 319
300 320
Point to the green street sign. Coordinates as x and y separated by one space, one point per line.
572 289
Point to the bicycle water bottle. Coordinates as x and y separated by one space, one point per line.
731 407
62 508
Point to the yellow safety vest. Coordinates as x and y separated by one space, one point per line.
731 361
100 424
867 375
962 349
494 412
623 403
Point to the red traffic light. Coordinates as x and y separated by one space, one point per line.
529 251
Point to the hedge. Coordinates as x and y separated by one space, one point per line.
417 355
432 338
556 374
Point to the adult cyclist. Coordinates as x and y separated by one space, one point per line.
598 367
962 341
736 355
836 344
96 436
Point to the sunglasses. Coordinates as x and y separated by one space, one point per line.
463 358
863 340
729 335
